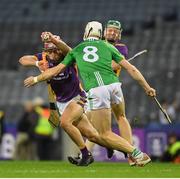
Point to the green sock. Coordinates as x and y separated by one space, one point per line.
135 153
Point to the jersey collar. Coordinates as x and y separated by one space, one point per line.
92 38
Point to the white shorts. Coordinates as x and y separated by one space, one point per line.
103 96
62 106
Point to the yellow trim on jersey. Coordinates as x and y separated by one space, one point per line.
120 45
44 56
118 72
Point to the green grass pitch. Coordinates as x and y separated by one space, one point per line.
57 169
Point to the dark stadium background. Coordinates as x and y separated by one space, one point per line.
153 25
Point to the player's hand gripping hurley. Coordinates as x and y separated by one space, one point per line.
163 110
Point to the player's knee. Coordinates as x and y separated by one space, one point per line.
64 124
121 117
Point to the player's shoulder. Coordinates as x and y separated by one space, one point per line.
110 46
107 43
87 43
120 45
39 56
78 46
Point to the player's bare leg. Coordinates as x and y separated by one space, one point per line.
123 124
71 114
88 131
103 125
90 144
78 124
103 122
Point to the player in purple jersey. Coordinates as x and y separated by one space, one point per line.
112 34
103 100
70 98
90 144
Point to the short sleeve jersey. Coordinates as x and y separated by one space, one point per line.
66 84
122 48
93 59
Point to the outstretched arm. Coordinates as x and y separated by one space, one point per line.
49 37
136 74
28 60
48 74
31 60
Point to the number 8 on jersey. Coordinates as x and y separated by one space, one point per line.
90 54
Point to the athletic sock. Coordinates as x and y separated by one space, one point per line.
136 153
84 152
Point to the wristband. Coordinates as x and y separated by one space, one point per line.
35 79
37 63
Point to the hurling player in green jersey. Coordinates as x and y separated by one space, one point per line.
112 34
93 58
70 98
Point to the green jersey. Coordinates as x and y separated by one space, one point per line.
93 58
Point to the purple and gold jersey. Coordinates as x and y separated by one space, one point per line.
122 48
66 84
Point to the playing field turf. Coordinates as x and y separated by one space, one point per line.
98 169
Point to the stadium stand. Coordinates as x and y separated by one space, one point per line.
153 25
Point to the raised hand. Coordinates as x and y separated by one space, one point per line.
151 92
46 36
30 81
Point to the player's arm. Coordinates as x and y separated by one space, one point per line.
115 65
124 51
28 60
62 46
51 72
49 37
122 48
136 75
48 74
132 70
32 60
